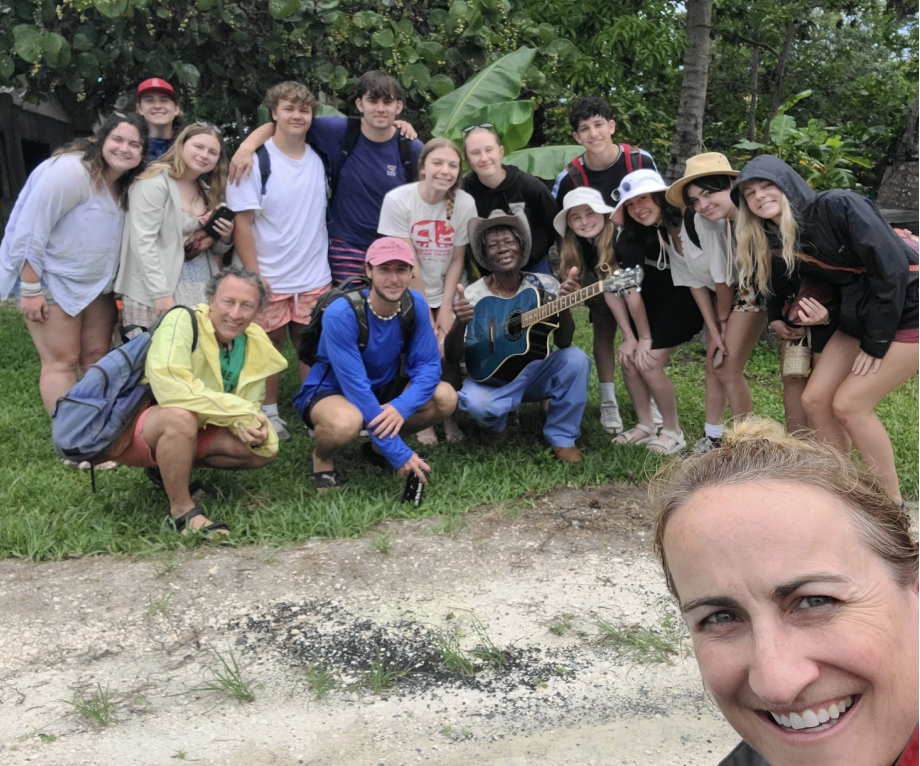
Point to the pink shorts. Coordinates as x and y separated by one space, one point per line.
911 335
139 454
284 309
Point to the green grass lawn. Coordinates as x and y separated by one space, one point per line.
48 512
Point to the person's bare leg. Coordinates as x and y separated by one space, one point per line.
741 335
661 389
793 388
642 404
277 337
855 402
827 375
228 453
96 331
172 434
438 408
336 422
714 398
57 341
294 330
605 330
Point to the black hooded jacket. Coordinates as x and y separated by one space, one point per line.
520 192
847 242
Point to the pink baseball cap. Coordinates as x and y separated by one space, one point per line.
388 249
156 85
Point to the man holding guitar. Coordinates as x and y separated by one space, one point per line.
501 244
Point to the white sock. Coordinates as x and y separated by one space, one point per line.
607 393
713 431
270 409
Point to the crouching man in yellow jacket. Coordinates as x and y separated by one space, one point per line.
209 391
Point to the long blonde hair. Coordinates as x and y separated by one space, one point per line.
212 186
439 143
571 255
752 255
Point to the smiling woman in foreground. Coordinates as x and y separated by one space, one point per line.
796 574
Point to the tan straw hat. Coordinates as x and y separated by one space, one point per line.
708 164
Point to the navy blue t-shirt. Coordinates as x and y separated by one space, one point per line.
371 170
156 147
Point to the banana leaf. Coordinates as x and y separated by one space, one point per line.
499 81
513 120
543 161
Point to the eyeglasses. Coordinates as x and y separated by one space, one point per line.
471 128
203 124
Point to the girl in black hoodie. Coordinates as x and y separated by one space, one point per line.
838 237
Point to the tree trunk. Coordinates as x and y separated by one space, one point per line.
791 32
688 126
899 185
752 110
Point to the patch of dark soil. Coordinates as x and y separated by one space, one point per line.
324 634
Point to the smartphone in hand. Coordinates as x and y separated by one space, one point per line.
223 213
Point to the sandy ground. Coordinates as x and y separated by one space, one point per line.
147 630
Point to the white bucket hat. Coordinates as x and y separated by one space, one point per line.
583 195
636 184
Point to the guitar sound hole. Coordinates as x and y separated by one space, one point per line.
513 327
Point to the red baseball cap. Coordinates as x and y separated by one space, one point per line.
388 249
156 85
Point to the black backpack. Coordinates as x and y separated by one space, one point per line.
351 290
352 133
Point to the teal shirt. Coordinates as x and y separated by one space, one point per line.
231 363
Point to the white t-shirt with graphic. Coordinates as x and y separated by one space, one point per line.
405 214
289 229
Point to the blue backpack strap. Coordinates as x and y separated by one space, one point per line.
265 165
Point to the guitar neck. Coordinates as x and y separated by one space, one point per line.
560 304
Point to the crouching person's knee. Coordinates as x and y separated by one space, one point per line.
445 399
177 421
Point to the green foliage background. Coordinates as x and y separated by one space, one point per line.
859 58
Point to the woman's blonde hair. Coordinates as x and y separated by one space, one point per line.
432 145
753 254
212 186
758 450
571 254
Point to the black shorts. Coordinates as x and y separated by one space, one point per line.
386 393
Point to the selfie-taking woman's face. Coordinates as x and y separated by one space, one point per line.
201 153
712 205
764 199
643 209
806 643
585 222
441 168
484 153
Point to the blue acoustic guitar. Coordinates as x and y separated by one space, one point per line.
507 334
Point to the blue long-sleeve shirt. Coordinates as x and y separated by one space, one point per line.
342 368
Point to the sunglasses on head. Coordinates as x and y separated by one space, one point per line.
203 124
470 128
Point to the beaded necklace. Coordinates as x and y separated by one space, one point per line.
384 319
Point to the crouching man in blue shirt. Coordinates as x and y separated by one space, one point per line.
348 389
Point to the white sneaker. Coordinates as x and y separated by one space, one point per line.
611 421
280 427
656 415
706 444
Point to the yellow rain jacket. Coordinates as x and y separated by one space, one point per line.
180 377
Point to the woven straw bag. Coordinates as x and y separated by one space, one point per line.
797 357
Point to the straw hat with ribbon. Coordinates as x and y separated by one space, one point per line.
708 164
